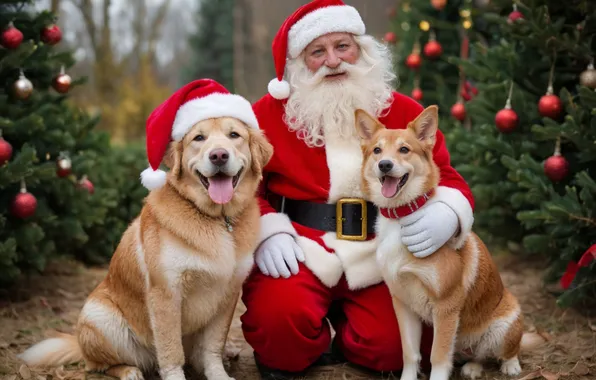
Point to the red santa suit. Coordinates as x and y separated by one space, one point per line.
285 318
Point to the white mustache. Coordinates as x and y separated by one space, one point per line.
343 68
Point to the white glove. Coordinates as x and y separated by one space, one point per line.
278 253
428 229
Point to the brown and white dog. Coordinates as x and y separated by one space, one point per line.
459 292
174 280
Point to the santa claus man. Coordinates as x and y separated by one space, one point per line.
311 268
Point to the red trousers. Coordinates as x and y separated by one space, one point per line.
285 323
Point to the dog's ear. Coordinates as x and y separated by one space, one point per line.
366 125
261 150
173 157
426 125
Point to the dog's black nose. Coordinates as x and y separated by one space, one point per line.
219 157
385 166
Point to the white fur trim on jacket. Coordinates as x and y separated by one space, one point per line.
325 265
462 208
211 106
358 260
275 223
336 18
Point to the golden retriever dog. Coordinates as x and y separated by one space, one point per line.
459 292
174 280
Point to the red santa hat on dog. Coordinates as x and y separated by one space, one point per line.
198 100
309 22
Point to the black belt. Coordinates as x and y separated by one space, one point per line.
357 216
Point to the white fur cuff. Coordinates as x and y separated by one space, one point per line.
275 223
336 18
462 208
212 106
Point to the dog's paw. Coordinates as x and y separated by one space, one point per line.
172 373
232 350
511 367
472 370
409 372
132 373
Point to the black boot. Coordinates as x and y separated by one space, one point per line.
275 374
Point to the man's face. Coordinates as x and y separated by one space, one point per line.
330 50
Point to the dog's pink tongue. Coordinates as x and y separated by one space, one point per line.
389 187
221 189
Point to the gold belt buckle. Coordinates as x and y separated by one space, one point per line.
339 219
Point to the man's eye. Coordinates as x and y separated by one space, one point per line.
403 150
234 135
199 138
377 150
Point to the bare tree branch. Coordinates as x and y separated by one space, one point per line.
156 25
55 6
86 9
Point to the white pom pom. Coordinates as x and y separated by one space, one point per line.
153 179
279 89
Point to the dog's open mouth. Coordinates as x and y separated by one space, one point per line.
390 186
220 186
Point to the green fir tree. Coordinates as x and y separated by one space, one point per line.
520 197
39 129
212 44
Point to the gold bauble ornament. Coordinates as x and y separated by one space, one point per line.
23 87
588 77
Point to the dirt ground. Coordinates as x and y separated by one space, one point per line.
52 301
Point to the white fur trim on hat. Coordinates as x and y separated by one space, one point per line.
211 106
336 18
153 179
279 89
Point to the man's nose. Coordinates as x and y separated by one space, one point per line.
333 60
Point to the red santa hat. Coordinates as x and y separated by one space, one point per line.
198 100
309 22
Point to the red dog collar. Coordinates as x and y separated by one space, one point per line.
405 210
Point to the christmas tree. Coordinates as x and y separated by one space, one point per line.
425 34
50 156
529 153
212 43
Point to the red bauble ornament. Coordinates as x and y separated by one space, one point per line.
433 49
438 4
417 94
5 151
64 166
550 106
556 167
84 183
51 34
465 94
506 120
414 61
61 83
390 37
11 37
23 205
458 111
515 15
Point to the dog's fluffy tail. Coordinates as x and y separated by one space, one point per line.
531 341
53 352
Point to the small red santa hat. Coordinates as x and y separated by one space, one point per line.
309 22
196 101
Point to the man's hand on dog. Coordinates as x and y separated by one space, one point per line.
278 253
428 229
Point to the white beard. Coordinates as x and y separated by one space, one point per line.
318 107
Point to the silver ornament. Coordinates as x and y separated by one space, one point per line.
23 87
